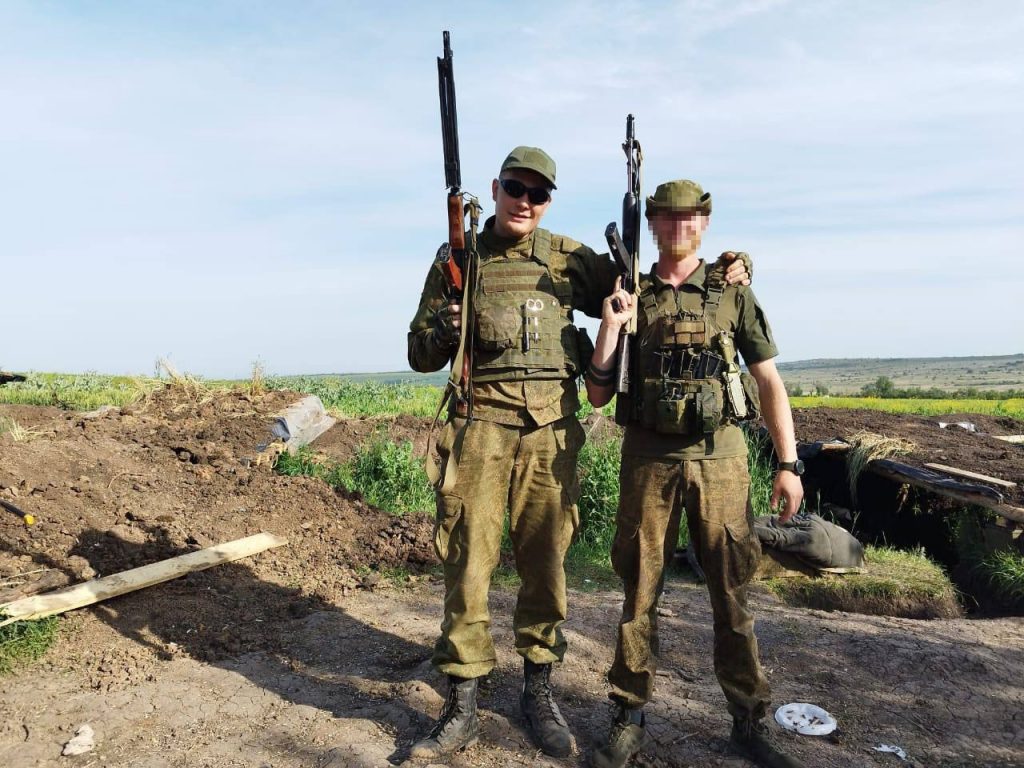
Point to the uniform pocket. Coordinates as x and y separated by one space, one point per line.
498 326
449 513
744 552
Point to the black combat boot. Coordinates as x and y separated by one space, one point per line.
624 740
754 740
546 723
458 726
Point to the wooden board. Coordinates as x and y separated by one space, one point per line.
1015 439
1006 510
96 590
967 474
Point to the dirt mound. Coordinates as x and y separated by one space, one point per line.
341 441
953 446
176 473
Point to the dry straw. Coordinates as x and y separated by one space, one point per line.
186 390
866 447
18 433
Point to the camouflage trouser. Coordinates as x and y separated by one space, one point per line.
531 471
715 495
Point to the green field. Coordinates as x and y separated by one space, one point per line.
1013 407
390 395
847 376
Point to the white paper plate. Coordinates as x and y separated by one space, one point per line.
806 719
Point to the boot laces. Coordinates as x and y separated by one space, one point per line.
541 690
447 714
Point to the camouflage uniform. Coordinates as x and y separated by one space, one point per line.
519 451
706 475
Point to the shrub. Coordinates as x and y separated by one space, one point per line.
390 477
385 473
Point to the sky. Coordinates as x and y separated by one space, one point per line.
228 183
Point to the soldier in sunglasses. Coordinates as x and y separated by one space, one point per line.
518 452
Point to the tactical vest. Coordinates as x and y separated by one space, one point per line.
685 378
523 318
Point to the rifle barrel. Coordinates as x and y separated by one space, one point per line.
449 118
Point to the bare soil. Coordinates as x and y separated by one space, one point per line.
953 446
306 655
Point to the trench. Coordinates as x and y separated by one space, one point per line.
890 513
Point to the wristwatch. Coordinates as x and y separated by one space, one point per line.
796 467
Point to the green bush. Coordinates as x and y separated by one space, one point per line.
390 477
385 473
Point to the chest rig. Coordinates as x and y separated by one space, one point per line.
688 380
524 324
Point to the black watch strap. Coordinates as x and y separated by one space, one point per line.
796 467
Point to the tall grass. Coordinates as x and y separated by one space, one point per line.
390 477
1003 571
598 472
762 473
349 399
79 392
386 474
1013 408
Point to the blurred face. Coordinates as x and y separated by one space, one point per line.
678 233
517 217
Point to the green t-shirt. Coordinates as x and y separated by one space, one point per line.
738 313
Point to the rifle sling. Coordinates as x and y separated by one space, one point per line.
443 478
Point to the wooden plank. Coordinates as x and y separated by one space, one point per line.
1008 511
1015 439
835 447
967 474
96 590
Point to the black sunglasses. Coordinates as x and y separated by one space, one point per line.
516 189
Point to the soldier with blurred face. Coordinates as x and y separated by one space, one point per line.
517 454
683 452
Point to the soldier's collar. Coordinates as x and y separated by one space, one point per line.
495 243
696 279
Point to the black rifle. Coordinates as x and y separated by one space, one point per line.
457 262
8 377
626 251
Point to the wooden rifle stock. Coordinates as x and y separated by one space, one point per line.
452 266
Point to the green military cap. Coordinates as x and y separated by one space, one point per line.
679 195
531 159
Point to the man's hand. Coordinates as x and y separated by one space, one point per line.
740 267
786 488
447 321
617 308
